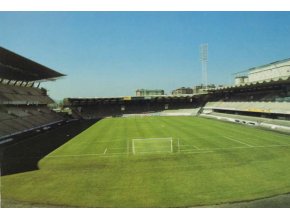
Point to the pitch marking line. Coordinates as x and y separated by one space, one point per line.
86 155
235 140
115 154
194 146
270 146
112 140
152 152
116 148
74 155
198 152
105 150
205 150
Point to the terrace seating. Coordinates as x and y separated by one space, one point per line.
255 119
5 116
264 96
16 119
17 112
22 95
16 125
266 107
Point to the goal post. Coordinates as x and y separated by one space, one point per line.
154 145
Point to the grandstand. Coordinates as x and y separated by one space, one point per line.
91 108
263 101
23 105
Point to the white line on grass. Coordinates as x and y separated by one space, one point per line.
231 148
105 150
198 152
153 152
115 154
214 149
270 146
127 146
141 139
235 140
85 155
191 146
73 155
112 140
115 148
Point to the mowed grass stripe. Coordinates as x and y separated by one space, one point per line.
201 136
250 134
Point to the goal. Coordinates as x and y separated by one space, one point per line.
152 145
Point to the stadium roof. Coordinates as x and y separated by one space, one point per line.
16 67
267 65
256 84
246 72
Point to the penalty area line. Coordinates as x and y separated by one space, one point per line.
194 146
73 155
235 140
206 150
198 152
86 155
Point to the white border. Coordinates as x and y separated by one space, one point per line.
140 213
144 5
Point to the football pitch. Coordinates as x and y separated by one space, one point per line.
158 162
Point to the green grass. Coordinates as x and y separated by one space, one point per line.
215 163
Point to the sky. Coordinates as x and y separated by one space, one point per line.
106 54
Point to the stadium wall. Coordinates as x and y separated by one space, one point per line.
99 108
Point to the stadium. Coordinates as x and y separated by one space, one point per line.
222 147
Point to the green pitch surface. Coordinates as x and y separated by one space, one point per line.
211 163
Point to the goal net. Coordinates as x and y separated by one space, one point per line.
152 145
